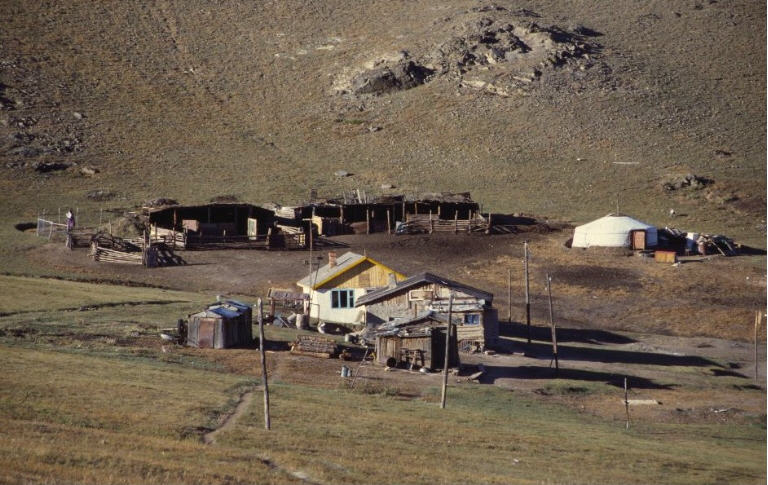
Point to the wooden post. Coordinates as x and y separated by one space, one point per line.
389 223
367 221
626 400
405 218
341 215
552 324
260 318
527 292
438 210
456 222
447 351
59 216
758 321
509 296
415 207
311 231
100 211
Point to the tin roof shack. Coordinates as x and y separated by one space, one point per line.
416 342
334 288
476 319
224 324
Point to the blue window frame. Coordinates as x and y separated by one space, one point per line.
342 298
471 319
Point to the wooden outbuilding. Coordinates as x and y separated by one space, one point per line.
416 342
224 324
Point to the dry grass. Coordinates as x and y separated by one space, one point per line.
132 422
51 295
139 422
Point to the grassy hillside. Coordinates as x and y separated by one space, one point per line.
192 100
139 422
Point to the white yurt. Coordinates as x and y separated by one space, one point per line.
612 231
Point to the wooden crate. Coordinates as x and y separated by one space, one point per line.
665 256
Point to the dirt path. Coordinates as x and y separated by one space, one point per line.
210 437
245 400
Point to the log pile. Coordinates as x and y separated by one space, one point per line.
107 248
314 347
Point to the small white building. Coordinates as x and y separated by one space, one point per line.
334 288
615 231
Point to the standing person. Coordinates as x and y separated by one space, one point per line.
70 227
70 220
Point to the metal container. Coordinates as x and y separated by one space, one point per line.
345 371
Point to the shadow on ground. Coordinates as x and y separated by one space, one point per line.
598 337
492 373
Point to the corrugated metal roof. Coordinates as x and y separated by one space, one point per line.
420 279
343 263
419 325
283 295
224 312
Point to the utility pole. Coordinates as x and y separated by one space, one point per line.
509 295
260 317
447 351
552 324
758 321
527 293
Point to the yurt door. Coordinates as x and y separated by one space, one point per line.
205 333
638 239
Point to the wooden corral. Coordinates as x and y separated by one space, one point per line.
222 325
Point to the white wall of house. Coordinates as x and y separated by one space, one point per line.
321 308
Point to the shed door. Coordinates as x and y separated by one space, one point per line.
205 333
253 227
638 239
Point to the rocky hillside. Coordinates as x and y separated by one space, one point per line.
549 107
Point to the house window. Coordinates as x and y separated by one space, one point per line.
471 319
342 298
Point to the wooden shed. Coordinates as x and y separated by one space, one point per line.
222 325
417 342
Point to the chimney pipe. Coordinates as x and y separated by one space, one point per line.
332 258
391 280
